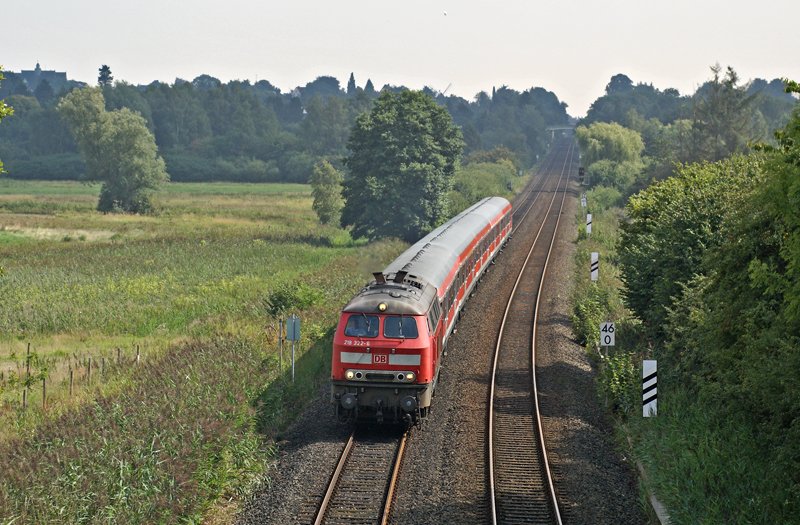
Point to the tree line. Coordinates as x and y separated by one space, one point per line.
639 134
709 258
240 131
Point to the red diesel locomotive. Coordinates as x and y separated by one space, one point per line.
388 346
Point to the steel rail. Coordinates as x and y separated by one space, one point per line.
342 467
335 479
501 331
387 507
533 189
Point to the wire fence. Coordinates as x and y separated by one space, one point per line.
34 380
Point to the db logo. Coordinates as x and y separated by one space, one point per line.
380 359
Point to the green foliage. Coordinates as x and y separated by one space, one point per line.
589 310
5 110
161 441
326 184
671 225
619 382
104 77
724 120
623 97
157 451
118 149
619 175
403 157
477 180
708 467
603 141
291 297
237 131
728 348
605 197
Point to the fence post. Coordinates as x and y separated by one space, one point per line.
44 393
89 371
27 377
119 356
71 372
25 398
137 354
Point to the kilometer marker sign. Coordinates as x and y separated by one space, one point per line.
607 334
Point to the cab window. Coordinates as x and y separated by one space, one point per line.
400 327
362 325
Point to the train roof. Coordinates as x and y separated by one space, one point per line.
432 257
410 283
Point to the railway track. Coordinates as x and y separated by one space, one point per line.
361 488
520 482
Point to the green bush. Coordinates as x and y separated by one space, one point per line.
619 381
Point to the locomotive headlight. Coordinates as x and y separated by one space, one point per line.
410 376
382 307
349 374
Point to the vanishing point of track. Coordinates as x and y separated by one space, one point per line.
520 482
361 488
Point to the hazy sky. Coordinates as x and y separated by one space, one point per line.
571 47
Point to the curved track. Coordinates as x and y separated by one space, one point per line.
520 483
360 490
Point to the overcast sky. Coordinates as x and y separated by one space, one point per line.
571 47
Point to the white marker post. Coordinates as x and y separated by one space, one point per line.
649 388
595 266
583 200
293 334
588 224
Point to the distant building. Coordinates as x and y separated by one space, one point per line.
56 79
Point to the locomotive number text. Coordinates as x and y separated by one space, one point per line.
351 342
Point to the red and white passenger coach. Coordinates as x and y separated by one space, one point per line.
388 346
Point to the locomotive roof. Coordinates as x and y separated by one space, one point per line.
426 264
399 298
432 257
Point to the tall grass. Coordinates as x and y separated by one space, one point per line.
158 442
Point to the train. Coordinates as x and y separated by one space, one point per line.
392 335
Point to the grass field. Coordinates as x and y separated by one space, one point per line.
162 440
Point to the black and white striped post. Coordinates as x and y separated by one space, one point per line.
588 224
649 388
595 266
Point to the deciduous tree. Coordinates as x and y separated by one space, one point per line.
403 155
5 111
326 184
118 150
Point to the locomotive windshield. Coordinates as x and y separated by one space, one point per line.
400 328
362 325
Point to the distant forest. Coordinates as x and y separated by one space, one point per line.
630 104
208 130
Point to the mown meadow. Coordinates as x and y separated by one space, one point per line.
162 438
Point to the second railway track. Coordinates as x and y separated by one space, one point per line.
521 488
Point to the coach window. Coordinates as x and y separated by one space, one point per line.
400 327
362 325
